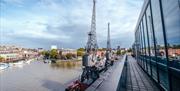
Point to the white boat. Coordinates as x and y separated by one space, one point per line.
47 61
19 63
3 66
29 61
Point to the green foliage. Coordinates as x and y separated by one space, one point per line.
1 59
46 54
102 49
81 49
129 50
123 52
43 52
69 55
53 54
118 52
80 53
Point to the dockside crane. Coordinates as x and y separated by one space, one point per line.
88 59
109 60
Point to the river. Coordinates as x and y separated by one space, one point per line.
38 76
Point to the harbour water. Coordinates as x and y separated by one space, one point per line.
38 76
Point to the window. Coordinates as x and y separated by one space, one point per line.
171 13
151 42
179 3
143 43
146 44
160 44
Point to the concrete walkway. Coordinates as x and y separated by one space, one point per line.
109 80
137 79
134 78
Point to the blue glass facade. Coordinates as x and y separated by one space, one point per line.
157 42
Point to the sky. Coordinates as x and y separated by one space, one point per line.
65 23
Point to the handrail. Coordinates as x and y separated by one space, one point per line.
109 80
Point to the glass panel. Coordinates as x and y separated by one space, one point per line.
141 43
160 46
172 24
146 45
171 11
151 42
143 47
139 38
138 45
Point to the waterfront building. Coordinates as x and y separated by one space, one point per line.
40 50
157 42
15 53
66 51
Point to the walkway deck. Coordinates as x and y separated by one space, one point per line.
124 77
137 79
109 80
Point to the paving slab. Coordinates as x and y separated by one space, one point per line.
137 79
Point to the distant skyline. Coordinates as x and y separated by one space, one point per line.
65 23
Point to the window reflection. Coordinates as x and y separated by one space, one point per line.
171 11
159 37
143 40
145 35
151 47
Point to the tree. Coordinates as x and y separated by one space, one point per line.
80 53
123 52
81 49
129 50
42 53
118 52
69 55
53 54
46 54
102 49
1 59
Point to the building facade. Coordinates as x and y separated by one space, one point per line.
14 53
157 42
66 51
53 47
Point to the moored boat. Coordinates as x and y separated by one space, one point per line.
29 61
3 66
19 63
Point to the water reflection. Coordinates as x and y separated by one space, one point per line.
53 85
66 64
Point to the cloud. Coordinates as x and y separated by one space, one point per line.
66 22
